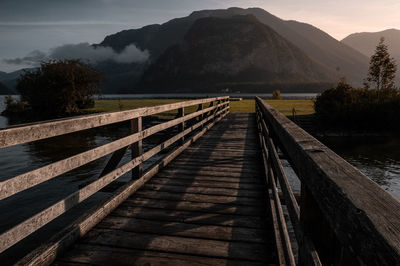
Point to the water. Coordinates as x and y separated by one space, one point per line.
292 96
377 158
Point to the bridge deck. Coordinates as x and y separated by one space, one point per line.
206 207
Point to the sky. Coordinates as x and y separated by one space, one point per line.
37 26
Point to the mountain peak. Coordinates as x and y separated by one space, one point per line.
232 51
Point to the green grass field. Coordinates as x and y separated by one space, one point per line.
303 107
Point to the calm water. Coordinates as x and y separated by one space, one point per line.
293 96
378 158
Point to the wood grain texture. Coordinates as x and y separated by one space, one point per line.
47 129
46 253
365 218
193 210
32 178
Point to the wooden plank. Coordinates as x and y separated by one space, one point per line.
205 167
113 162
181 245
196 206
202 183
190 230
171 215
105 256
204 190
191 197
217 163
368 221
136 147
310 255
36 131
24 181
211 178
47 252
181 126
211 173
283 241
272 204
30 225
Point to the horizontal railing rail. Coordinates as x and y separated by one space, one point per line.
201 120
344 218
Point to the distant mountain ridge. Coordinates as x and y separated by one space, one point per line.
318 45
231 52
333 57
366 42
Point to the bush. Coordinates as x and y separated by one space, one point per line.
276 95
59 88
13 106
346 107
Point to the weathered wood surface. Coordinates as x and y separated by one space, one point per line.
364 218
24 181
47 129
32 224
309 254
47 252
191 214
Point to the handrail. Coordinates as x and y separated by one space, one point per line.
348 217
17 184
36 131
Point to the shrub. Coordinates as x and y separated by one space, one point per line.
276 95
346 107
59 88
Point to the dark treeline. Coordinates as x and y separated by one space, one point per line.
56 89
376 106
353 108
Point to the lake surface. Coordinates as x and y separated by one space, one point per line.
378 158
292 96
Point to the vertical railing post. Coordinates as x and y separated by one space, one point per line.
181 126
201 117
136 148
218 109
317 228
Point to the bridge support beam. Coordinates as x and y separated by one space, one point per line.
181 127
136 148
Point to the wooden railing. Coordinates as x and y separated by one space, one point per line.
344 218
201 120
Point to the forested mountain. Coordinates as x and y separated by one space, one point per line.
235 53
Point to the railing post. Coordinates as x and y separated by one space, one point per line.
317 228
201 117
136 148
218 109
181 127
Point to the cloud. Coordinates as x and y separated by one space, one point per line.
85 52
32 59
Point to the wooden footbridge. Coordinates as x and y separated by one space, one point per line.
218 194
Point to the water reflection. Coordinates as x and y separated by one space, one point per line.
377 157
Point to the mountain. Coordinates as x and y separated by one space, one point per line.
234 52
10 79
365 42
4 89
318 45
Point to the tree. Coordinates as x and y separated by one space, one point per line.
276 95
382 68
59 88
